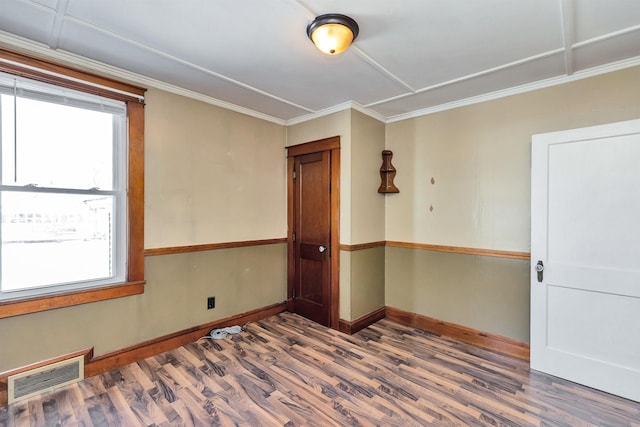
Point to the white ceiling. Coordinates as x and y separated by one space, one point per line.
411 56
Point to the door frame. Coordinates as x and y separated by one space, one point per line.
331 144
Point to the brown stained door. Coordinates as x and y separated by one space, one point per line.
312 230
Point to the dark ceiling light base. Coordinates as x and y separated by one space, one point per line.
332 33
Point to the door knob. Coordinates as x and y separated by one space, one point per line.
539 270
321 249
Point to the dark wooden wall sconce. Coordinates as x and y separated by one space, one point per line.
387 173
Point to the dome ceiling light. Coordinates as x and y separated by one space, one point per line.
332 33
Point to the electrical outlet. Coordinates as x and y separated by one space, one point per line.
211 303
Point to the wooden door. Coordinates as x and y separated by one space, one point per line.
312 219
585 240
313 241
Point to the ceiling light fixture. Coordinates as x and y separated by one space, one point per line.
332 33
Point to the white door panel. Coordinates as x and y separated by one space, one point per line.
585 221
575 325
593 183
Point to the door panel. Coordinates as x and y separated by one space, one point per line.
312 227
585 205
591 188
586 334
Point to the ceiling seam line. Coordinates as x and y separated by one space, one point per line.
607 36
310 14
566 21
377 65
471 76
58 22
335 109
190 65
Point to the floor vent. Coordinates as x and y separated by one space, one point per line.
45 378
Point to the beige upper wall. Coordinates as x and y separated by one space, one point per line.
367 205
211 175
336 124
479 157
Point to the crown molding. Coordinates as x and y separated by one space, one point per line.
349 105
368 111
320 113
542 84
28 46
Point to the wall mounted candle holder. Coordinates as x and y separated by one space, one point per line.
387 174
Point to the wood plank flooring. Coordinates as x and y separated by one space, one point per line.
288 371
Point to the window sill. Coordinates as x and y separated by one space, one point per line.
68 299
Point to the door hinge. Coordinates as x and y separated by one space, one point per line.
293 294
294 174
293 237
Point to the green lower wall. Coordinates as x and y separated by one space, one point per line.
367 281
486 293
174 299
345 285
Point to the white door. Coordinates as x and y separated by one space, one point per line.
585 230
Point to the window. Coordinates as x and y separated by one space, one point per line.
62 189
71 189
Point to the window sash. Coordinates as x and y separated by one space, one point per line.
62 246
118 146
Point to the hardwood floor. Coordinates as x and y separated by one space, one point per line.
288 371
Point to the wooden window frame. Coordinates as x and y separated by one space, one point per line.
44 71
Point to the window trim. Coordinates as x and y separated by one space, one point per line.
60 75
